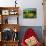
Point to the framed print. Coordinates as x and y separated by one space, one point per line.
30 13
5 12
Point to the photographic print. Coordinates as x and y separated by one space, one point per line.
5 12
30 13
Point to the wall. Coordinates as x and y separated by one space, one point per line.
7 3
44 12
32 4
45 22
37 29
28 22
27 4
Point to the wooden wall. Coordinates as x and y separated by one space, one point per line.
44 6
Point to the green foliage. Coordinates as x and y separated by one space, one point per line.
29 13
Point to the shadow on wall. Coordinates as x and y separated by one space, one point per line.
37 29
